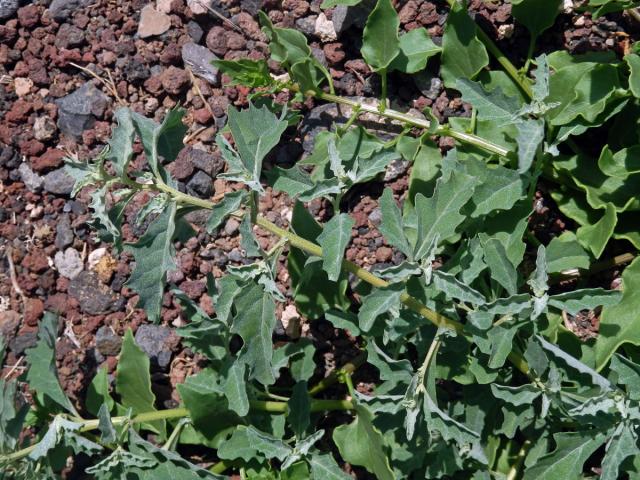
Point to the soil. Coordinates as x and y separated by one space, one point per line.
50 258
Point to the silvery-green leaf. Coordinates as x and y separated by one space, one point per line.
494 106
235 389
622 445
225 207
249 442
530 137
585 299
334 239
378 302
454 288
391 226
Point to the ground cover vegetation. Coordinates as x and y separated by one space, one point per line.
479 374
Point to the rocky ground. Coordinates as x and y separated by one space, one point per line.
67 65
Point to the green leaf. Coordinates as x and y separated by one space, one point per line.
299 409
530 137
502 270
133 380
378 302
332 3
154 255
121 141
416 47
567 460
250 73
334 239
293 181
440 214
360 443
463 54
633 60
620 164
391 226
522 395
501 337
324 467
493 106
454 288
585 299
498 188
208 409
107 432
622 445
255 322
628 374
536 15
620 323
98 392
248 443
565 253
596 236
42 375
235 389
287 46
380 43
368 170
229 204
161 142
255 132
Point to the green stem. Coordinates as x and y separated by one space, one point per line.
334 376
442 130
219 467
383 94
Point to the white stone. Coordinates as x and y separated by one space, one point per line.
163 6
325 29
96 256
198 7
69 263
152 22
291 321
22 86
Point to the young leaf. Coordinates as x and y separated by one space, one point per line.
416 47
360 443
248 443
530 137
567 460
42 375
255 131
622 445
255 322
133 380
536 15
440 214
391 226
334 240
380 42
463 55
324 467
154 255
163 142
250 73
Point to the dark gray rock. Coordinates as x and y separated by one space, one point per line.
210 164
344 17
201 185
31 180
307 25
195 31
156 341
9 158
64 232
107 342
59 182
136 72
251 6
199 59
77 111
22 342
61 10
429 85
8 8
94 297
